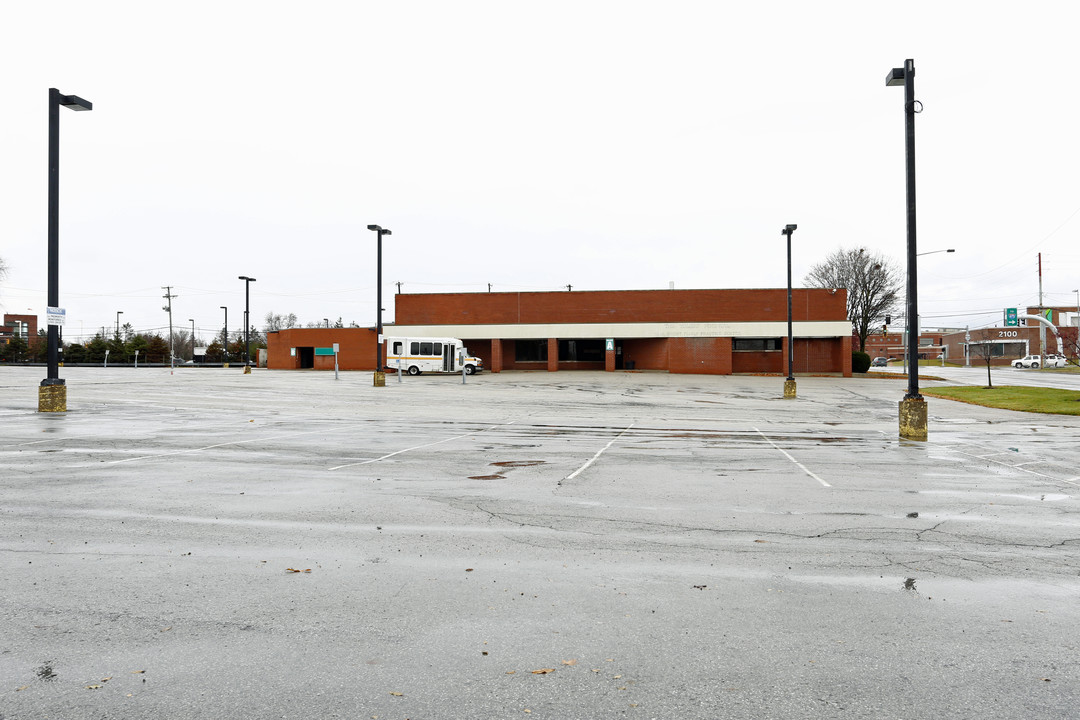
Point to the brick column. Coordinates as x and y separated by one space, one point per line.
553 354
496 355
609 360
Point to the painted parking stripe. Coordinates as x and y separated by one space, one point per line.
788 456
600 452
416 447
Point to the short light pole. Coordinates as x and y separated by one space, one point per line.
380 376
913 412
118 314
52 394
225 351
789 384
247 321
327 321
192 340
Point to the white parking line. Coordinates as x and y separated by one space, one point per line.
225 444
1009 465
416 447
600 452
788 456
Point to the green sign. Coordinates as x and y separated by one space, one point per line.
324 351
1010 317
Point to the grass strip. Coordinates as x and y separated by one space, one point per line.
1054 401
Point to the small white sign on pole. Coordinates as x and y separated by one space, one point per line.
55 316
335 348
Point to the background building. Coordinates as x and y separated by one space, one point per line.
680 331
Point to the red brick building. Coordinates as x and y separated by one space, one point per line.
24 326
680 331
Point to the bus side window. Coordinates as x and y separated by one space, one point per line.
425 348
438 349
397 348
415 348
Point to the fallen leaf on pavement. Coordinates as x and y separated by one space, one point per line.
543 671
397 694
570 662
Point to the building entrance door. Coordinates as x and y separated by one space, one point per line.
448 357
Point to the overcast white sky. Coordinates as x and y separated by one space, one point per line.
603 145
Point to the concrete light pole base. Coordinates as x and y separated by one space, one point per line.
789 388
52 398
380 379
913 418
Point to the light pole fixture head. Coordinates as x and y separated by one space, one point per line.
895 78
789 229
74 102
376 228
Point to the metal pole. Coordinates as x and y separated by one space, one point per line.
912 262
378 303
53 372
790 333
225 352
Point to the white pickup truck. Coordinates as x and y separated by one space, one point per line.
1034 361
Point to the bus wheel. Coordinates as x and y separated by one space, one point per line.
470 370
413 370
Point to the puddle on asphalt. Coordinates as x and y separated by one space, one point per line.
1042 497
507 464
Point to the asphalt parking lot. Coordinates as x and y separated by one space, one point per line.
530 545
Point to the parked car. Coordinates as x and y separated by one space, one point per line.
1034 361
879 362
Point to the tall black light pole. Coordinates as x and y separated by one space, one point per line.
192 340
52 394
247 320
118 314
225 352
380 375
912 408
789 384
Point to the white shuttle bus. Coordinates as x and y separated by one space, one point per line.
430 354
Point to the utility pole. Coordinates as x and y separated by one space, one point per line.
398 283
168 308
1042 327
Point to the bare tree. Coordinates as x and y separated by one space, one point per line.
985 352
873 284
275 322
